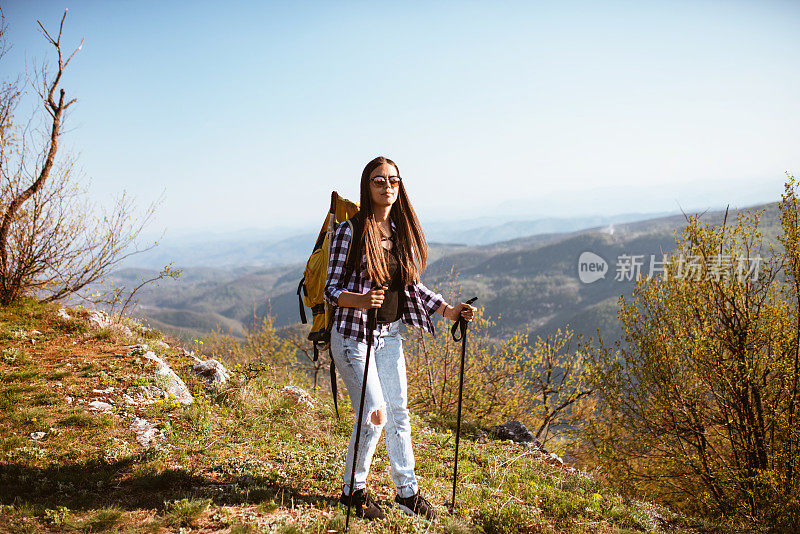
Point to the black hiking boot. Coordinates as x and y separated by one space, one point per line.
416 504
362 504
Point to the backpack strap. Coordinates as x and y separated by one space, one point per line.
356 229
334 386
302 287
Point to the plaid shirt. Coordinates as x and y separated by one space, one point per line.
420 302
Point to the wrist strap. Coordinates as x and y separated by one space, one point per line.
461 324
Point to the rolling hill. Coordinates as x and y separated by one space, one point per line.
528 283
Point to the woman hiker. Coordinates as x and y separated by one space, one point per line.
393 253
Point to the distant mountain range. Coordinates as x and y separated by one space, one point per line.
526 283
288 245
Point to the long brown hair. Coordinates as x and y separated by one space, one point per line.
410 244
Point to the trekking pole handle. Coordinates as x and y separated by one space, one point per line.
461 324
372 319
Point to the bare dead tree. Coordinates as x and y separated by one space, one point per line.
52 242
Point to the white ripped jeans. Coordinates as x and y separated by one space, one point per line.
386 389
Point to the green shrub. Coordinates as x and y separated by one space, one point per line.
15 356
87 370
152 334
137 380
8 398
22 375
103 334
29 417
104 520
28 453
185 511
59 375
45 398
116 450
69 326
56 516
494 519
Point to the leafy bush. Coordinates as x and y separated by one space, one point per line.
542 386
185 512
104 334
700 405
510 517
152 334
116 450
103 520
69 326
15 356
9 398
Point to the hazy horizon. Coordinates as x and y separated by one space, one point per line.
488 217
245 114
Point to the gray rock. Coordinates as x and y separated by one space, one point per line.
513 430
146 394
212 371
300 394
175 387
146 433
98 320
37 435
101 406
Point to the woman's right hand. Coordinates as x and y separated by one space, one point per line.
373 298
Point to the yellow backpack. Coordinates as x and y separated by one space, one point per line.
312 285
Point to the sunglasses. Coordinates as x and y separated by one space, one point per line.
381 181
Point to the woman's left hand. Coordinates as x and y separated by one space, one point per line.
461 310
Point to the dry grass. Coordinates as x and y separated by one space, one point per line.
245 458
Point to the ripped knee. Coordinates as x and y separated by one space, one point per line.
378 417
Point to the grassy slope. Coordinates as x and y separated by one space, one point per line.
246 458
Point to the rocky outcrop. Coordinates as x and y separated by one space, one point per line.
515 431
171 383
146 433
212 371
300 394
519 433
101 406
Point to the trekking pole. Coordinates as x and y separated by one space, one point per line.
461 325
372 315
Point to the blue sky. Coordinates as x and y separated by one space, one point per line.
249 114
